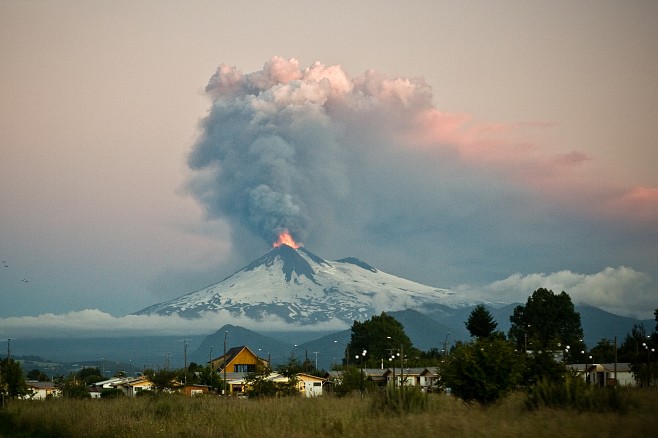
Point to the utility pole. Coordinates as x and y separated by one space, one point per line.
615 360
185 358
210 358
316 359
224 390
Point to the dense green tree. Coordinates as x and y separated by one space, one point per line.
603 352
259 385
381 337
548 321
637 350
210 378
483 370
75 389
542 366
12 380
480 323
630 348
37 375
89 375
352 380
162 379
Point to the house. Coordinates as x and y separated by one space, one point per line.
603 374
96 388
237 384
41 390
309 385
135 385
423 378
194 390
130 386
238 360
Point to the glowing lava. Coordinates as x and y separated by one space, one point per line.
286 239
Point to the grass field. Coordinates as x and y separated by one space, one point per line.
319 417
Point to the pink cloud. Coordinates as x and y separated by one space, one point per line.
640 202
568 178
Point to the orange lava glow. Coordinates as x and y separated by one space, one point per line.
286 239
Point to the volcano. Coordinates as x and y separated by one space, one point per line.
302 288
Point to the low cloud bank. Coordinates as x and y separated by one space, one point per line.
96 323
620 290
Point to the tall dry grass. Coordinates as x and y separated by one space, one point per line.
319 417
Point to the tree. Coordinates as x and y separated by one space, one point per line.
636 349
37 375
259 384
380 337
210 378
162 379
480 323
352 380
89 375
12 380
547 322
483 370
603 352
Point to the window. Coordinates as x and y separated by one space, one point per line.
244 368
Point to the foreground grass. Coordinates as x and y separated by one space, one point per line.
319 417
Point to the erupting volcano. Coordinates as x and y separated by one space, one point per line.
286 239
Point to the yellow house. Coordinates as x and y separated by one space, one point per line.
238 360
309 385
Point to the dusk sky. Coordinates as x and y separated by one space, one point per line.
152 148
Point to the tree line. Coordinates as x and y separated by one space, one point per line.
545 334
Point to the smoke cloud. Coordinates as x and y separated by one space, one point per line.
367 166
282 148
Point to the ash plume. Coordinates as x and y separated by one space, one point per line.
282 148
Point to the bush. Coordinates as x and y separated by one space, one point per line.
112 393
400 401
574 393
483 371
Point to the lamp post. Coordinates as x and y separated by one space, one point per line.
401 360
363 358
445 345
392 359
346 352
649 351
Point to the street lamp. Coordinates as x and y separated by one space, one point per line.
363 358
347 352
401 360
445 345
391 359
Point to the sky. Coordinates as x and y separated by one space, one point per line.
152 148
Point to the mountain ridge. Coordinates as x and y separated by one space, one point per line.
301 288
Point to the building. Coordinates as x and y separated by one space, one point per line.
603 374
41 390
238 360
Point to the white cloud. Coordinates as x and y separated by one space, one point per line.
620 290
95 323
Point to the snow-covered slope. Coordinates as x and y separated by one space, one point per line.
301 287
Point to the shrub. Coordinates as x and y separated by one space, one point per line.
483 371
573 393
112 393
400 401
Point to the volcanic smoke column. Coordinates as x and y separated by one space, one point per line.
280 147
